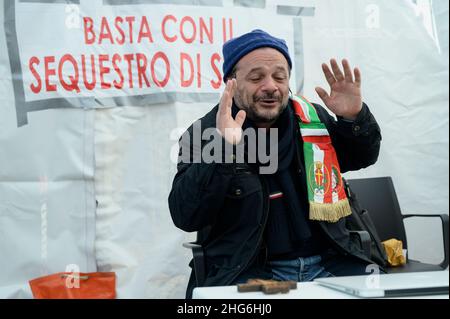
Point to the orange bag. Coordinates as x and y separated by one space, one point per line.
67 285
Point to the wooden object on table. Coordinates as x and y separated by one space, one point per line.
267 286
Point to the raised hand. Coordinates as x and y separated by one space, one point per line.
345 98
229 128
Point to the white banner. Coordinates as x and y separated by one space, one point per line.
86 54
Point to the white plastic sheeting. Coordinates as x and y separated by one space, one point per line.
54 168
47 203
135 234
405 83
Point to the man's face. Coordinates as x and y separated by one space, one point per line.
262 85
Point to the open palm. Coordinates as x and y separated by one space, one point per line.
345 98
230 128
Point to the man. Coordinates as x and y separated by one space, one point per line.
290 224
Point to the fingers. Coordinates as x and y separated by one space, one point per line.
347 71
240 117
336 70
233 87
357 77
226 100
323 95
328 75
336 74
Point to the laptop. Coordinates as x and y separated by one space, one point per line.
390 285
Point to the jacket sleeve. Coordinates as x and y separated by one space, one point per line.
357 143
198 190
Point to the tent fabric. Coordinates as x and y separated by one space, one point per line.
120 152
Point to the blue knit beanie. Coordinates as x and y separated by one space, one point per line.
234 49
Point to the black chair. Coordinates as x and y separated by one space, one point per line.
199 264
377 195
198 254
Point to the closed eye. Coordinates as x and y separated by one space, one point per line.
280 77
255 79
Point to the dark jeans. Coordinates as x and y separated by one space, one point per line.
308 268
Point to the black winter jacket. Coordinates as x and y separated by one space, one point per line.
228 204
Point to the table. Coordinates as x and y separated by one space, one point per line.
305 290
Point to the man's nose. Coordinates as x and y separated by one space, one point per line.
269 85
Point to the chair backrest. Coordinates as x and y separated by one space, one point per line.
377 195
202 234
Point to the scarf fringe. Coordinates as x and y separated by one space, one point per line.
329 212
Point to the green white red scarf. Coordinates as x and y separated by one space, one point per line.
326 194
